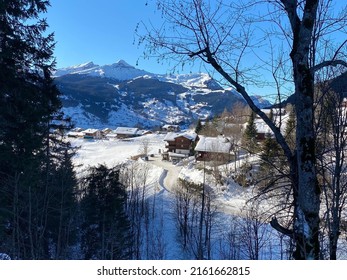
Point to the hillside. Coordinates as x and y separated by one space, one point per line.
119 94
337 84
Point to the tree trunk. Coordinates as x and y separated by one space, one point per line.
307 194
307 200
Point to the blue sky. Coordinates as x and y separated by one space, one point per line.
101 31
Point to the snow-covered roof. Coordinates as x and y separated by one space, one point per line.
171 136
75 134
126 130
111 135
275 111
77 129
170 125
90 131
143 132
262 127
218 144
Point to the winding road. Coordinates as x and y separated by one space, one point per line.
171 172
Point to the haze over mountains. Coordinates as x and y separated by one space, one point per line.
122 95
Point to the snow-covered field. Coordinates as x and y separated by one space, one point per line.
116 151
229 200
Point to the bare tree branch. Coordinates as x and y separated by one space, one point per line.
328 63
275 224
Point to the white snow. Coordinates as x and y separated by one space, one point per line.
187 80
217 144
119 70
230 199
171 136
126 130
82 118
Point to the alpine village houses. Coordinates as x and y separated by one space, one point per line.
179 145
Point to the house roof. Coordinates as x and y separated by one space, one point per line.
218 144
170 125
143 132
171 136
275 111
262 127
126 130
75 134
90 131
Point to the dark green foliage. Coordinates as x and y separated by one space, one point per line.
36 175
198 127
218 101
105 227
143 88
250 135
271 156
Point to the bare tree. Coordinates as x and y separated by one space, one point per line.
332 142
222 35
144 146
194 213
254 233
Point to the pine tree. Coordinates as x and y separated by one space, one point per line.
250 134
29 112
105 226
198 127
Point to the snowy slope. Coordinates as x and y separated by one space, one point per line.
122 95
229 200
118 71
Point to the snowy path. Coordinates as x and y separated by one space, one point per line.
114 152
172 172
228 203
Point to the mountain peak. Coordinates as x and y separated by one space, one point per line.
120 70
88 64
122 63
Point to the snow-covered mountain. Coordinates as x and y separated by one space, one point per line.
260 101
122 95
119 70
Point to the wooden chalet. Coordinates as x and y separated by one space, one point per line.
179 145
213 149
126 132
91 133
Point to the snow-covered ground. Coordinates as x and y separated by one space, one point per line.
116 151
229 200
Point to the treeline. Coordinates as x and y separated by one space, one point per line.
45 212
36 175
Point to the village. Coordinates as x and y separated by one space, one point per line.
167 165
181 144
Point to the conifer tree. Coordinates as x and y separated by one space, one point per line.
29 112
105 227
250 134
198 127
